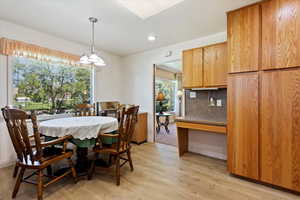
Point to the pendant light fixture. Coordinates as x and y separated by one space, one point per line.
92 58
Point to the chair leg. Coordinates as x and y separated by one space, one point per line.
129 159
49 170
118 169
92 168
18 182
40 185
16 171
74 174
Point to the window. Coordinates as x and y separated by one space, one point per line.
49 88
168 88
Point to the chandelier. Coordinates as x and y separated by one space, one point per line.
92 58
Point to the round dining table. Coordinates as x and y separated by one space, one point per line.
84 130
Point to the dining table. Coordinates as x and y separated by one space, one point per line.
84 129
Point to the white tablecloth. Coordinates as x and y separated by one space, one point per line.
79 127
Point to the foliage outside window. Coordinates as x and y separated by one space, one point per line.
49 88
168 88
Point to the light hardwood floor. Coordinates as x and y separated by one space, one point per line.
159 174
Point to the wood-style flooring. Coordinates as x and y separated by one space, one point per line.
159 174
167 138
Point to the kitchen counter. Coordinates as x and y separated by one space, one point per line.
198 120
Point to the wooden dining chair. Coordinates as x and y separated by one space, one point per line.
117 150
121 108
85 110
110 108
32 154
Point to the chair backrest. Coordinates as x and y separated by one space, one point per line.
127 126
109 105
85 110
16 121
110 108
121 108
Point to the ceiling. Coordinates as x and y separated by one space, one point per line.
120 31
173 66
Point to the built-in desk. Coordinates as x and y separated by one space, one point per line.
184 124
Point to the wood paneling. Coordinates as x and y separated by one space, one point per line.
242 128
244 36
202 127
215 65
280 128
183 140
197 68
280 34
141 129
187 57
193 68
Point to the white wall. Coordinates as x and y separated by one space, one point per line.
137 88
107 80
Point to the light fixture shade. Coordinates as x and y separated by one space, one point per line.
160 96
92 58
84 59
179 93
100 62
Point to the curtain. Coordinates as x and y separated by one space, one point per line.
17 48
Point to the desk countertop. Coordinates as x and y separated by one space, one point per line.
201 121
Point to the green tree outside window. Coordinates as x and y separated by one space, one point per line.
49 88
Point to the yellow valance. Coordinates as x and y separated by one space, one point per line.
17 48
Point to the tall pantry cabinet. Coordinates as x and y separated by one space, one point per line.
264 121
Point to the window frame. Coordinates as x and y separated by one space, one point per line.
10 86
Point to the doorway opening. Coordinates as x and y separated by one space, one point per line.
168 100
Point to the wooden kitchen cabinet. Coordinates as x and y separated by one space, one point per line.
244 35
243 124
280 34
280 128
215 65
193 68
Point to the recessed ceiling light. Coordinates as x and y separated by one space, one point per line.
148 8
151 38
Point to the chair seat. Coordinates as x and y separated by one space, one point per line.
49 155
111 149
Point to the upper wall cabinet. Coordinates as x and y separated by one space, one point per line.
193 68
215 65
280 34
244 33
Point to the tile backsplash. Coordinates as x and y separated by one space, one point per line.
199 105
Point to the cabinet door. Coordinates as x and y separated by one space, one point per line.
187 78
193 68
215 65
280 128
242 136
141 129
280 34
244 33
